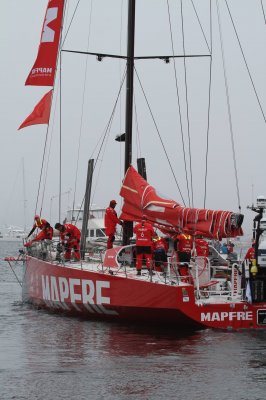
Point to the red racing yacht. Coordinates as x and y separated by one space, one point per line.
106 286
210 296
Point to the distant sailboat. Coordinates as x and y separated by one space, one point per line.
14 233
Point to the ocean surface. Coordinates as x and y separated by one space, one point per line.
44 356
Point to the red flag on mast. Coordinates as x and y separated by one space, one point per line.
41 112
43 70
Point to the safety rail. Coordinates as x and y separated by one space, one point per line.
197 273
44 250
47 250
222 288
219 295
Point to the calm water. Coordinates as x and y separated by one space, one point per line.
44 356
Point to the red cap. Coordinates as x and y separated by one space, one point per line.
37 217
113 202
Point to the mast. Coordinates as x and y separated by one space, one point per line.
86 213
142 167
24 196
128 226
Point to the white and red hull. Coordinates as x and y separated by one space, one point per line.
97 294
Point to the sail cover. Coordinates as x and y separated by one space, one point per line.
43 70
141 199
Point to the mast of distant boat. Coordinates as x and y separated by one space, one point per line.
24 196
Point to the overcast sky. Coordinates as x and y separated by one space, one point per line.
20 24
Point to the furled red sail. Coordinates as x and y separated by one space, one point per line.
141 199
40 113
43 70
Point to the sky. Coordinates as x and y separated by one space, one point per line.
100 26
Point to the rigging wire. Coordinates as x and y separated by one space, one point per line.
24 195
249 73
137 129
187 108
65 11
228 102
103 150
40 177
108 128
70 23
159 135
60 112
262 6
47 131
120 61
209 112
82 113
60 137
206 41
115 105
104 143
179 108
120 77
102 140
51 125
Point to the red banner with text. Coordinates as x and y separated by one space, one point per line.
43 70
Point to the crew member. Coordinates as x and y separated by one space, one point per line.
46 233
70 238
183 246
46 230
224 248
110 222
39 223
144 233
230 247
160 248
201 255
202 247
250 255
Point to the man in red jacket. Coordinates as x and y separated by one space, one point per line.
250 255
110 222
46 233
70 238
40 223
44 226
144 234
160 248
183 246
202 247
